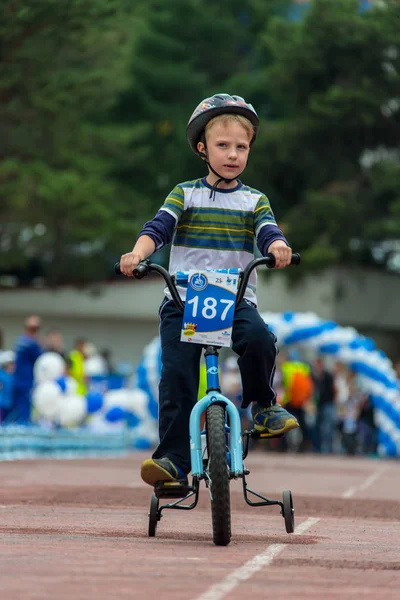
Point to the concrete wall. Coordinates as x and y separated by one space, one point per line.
314 293
123 315
369 300
365 298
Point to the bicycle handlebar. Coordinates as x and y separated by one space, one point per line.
146 266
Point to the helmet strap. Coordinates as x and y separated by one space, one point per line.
204 156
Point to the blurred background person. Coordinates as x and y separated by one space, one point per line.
396 367
27 350
349 415
367 428
7 368
106 354
325 418
341 375
298 387
55 343
76 365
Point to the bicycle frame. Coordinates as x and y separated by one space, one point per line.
214 395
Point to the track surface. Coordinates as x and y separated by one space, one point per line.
78 529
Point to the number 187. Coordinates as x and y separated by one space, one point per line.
209 310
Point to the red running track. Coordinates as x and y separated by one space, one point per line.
78 529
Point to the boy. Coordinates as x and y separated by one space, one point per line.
212 223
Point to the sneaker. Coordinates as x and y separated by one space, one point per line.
273 420
161 469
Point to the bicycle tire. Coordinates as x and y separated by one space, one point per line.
153 516
288 511
219 475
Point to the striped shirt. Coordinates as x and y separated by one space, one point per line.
214 233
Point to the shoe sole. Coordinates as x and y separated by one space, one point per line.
289 425
152 473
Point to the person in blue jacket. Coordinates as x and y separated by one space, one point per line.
27 350
7 365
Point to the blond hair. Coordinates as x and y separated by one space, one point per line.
226 118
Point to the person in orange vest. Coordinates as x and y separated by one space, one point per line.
298 390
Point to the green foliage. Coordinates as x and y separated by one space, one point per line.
62 67
334 83
95 96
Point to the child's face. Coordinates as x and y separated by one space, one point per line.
228 147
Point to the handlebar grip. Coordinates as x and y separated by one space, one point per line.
141 270
296 259
271 259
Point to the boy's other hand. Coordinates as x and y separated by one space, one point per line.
129 262
282 253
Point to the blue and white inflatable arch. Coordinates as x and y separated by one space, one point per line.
376 374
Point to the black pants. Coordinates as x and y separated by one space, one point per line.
251 340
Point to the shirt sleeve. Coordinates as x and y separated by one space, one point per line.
268 235
160 229
266 230
175 203
263 215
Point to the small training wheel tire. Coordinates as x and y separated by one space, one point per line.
288 511
153 516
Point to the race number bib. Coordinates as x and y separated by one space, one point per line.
209 308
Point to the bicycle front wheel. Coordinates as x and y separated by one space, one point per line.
219 475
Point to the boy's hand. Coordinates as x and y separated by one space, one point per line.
282 253
129 262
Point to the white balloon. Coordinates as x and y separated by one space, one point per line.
148 430
46 399
48 366
71 386
151 364
72 411
114 398
98 423
95 365
137 402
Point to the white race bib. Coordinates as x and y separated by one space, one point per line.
209 308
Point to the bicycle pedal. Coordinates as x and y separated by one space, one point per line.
257 435
172 489
268 436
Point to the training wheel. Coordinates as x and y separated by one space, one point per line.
153 516
288 511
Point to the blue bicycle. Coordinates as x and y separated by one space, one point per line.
218 451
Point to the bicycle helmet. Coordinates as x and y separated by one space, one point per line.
217 105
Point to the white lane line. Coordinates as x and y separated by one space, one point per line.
349 493
306 525
221 589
